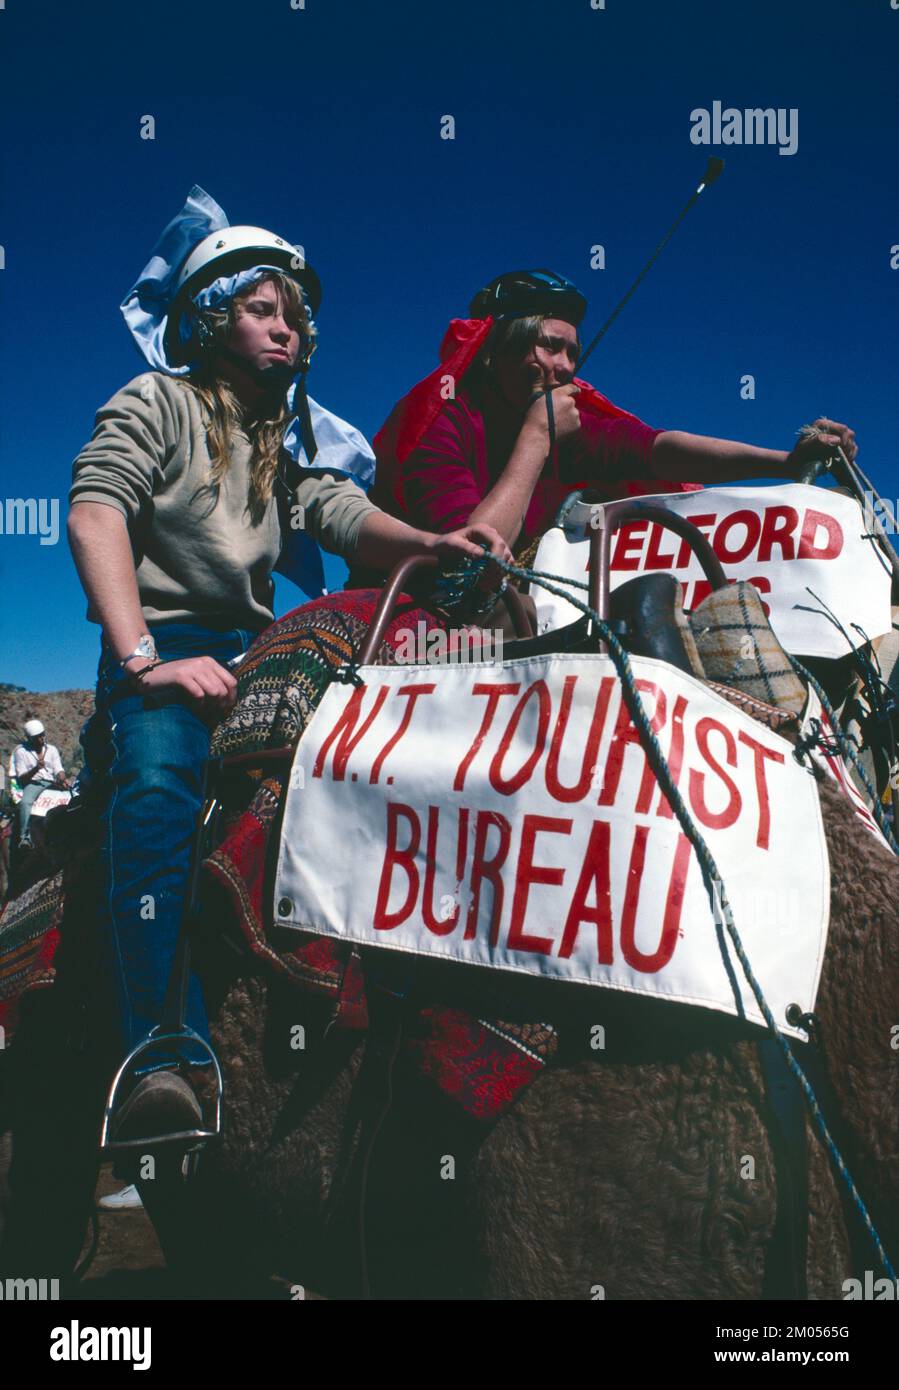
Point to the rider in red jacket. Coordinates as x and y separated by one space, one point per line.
502 431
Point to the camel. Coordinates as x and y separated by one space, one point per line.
617 1174
577 1188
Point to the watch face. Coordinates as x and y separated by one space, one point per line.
146 647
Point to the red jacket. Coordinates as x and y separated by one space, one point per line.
435 481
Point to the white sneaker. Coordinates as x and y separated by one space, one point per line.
126 1200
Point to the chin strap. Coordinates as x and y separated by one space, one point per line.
301 407
290 474
271 377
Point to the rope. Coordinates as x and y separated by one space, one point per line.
815 738
347 674
721 909
881 701
845 746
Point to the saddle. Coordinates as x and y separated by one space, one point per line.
647 617
726 642
727 637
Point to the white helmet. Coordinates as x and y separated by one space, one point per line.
32 728
224 253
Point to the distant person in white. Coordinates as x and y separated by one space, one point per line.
36 766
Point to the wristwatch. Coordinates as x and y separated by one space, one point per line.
146 648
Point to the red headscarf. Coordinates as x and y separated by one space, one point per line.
415 413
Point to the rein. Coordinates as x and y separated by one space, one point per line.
722 912
721 909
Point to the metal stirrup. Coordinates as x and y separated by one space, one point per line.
172 1028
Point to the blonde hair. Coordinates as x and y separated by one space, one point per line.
266 422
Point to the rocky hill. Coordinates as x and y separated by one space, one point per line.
62 712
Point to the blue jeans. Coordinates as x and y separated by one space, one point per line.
149 753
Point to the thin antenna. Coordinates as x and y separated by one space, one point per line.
713 172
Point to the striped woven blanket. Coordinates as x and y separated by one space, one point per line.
29 935
479 1061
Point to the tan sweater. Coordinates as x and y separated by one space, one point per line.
198 555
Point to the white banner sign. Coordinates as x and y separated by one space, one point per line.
48 800
505 815
785 540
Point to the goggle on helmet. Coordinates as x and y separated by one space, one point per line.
520 293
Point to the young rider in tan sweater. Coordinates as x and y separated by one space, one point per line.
175 527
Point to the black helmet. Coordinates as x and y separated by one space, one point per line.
518 293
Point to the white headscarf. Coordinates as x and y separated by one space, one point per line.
341 447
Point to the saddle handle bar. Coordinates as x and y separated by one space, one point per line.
613 515
395 585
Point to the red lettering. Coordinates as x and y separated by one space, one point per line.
402 858
674 902
675 753
654 560
632 891
527 872
493 693
591 748
715 820
705 522
508 785
345 728
810 526
760 753
777 529
442 926
625 733
626 539
594 874
648 782
483 868
411 692
752 522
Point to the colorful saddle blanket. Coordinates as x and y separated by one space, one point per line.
480 1063
29 936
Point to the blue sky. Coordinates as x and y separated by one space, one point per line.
572 129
